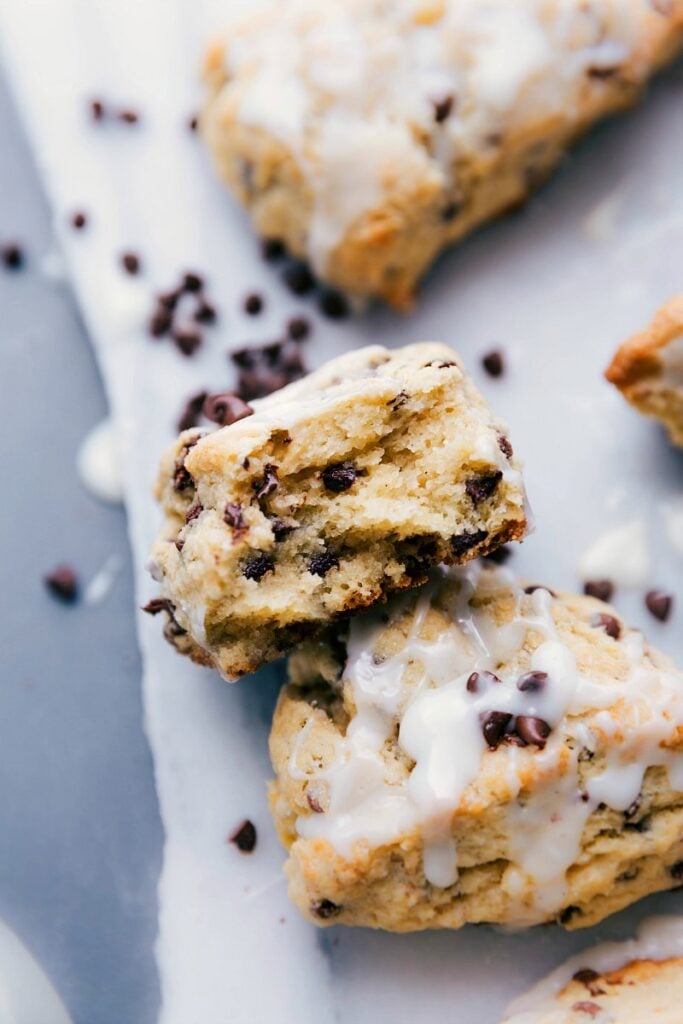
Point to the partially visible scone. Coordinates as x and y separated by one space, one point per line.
368 135
334 492
648 369
480 751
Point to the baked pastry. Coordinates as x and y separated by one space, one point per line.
328 495
479 751
635 982
648 369
368 135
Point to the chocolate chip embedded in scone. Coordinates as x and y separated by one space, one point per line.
328 496
478 751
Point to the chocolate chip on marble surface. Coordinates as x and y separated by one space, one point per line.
324 909
192 282
298 278
462 543
322 563
12 256
160 322
63 583
659 604
480 488
158 604
128 116
97 110
298 328
193 122
130 261
493 726
272 249
610 625
205 313
233 516
263 369
253 303
532 730
479 681
333 304
257 567
494 363
602 589
532 682
268 482
339 477
443 108
225 408
79 219
186 341
192 411
244 837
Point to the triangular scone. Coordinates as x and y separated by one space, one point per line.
648 369
336 491
368 135
480 751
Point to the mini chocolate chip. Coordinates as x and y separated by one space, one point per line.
234 517
253 304
192 282
399 400
324 909
179 543
160 322
443 108
257 567
462 543
333 304
494 363
187 342
568 913
244 837
12 256
602 589
533 587
493 726
298 278
298 328
313 803
79 220
192 411
280 528
205 313
268 482
193 512
63 583
129 116
225 409
321 564
481 488
267 368
505 446
450 211
532 730
632 809
181 478
499 556
339 477
480 680
659 603
169 300
610 625
272 249
193 123
532 682
97 110
676 870
602 72
158 604
130 261
588 1007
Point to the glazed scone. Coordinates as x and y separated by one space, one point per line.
334 492
368 135
648 369
479 751
635 982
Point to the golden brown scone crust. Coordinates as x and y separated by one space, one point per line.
647 372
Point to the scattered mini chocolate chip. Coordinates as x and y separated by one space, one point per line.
192 411
450 211
12 256
158 604
193 123
494 363
130 261
253 304
587 1007
79 220
339 477
493 726
399 400
160 322
532 682
602 589
244 837
192 282
676 870
659 604
505 446
443 108
481 488
499 556
268 482
532 730
324 909
568 913
333 304
169 300
97 110
181 476
63 583
193 512
272 249
257 567
610 625
281 527
322 563
205 313
225 408
298 278
186 341
462 543
298 328
480 680
128 116
234 517
263 369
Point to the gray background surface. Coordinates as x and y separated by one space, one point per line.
74 763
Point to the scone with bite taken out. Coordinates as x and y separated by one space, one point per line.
368 135
479 751
326 497
648 369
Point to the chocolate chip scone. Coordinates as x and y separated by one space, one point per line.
368 135
329 495
648 369
479 751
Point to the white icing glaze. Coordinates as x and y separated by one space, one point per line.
99 463
26 994
422 689
659 938
621 554
350 87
